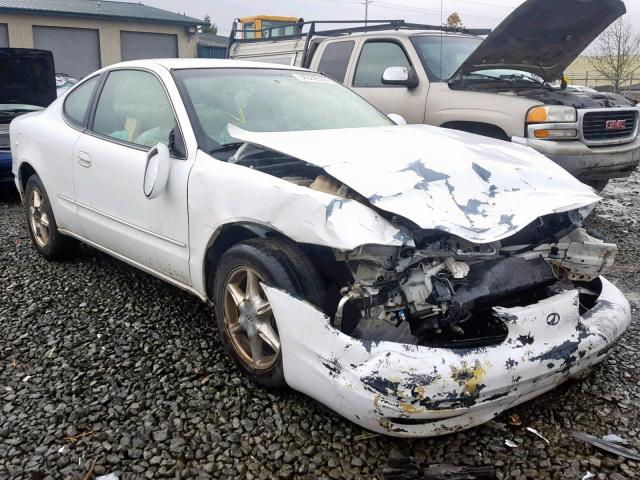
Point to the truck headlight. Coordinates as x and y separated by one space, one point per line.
552 114
552 122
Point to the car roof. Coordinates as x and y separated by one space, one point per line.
180 63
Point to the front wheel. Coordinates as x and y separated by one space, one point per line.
244 317
43 229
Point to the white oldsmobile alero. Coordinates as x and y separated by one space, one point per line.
416 280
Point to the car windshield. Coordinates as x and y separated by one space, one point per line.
9 111
265 100
442 55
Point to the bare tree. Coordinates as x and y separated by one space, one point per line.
616 54
454 21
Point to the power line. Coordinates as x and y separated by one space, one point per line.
411 8
470 2
414 9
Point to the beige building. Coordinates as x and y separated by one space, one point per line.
85 35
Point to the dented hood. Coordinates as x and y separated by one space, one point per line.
544 37
477 188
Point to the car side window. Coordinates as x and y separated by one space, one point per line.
375 58
133 107
335 60
77 102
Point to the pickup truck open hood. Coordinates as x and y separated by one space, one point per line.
27 77
544 37
480 189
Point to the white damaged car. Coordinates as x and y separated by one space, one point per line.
417 281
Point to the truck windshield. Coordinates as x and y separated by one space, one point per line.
442 55
265 100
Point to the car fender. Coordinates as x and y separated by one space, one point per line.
303 215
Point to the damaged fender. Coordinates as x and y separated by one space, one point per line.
414 391
301 214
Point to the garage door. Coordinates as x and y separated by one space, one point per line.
4 36
76 51
137 45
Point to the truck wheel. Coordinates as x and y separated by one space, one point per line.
43 229
244 318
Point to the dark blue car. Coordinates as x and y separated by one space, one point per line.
27 84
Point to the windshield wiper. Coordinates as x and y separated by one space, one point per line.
490 77
516 78
226 147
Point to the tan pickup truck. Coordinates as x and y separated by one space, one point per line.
498 85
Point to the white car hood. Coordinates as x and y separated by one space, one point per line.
477 188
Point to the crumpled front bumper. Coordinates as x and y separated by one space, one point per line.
413 391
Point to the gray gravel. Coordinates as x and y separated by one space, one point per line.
104 366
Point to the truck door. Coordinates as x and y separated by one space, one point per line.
370 60
334 59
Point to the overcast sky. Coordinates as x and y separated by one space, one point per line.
474 13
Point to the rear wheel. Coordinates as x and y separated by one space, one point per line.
244 317
43 229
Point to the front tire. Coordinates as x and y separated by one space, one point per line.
43 229
244 318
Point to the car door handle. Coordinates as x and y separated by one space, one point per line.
84 159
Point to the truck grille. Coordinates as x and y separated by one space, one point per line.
614 125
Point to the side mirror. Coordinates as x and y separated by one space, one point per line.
400 76
397 119
156 171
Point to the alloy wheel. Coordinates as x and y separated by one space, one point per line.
249 319
38 218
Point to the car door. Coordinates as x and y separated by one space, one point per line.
132 114
374 56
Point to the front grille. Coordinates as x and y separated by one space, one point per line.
605 125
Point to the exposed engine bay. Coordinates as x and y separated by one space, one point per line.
442 291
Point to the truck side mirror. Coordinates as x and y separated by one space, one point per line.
400 76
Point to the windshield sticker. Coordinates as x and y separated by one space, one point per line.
310 77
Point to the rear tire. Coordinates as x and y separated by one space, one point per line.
244 318
43 229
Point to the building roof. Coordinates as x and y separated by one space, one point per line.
211 40
127 11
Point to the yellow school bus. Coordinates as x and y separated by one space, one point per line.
281 26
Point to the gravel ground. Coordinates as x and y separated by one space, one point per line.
105 369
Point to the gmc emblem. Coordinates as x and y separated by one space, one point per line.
616 125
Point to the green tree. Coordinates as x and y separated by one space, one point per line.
208 26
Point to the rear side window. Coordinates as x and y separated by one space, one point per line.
335 60
133 107
375 58
77 102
